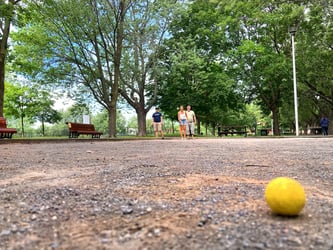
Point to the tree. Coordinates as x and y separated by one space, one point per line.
261 60
27 103
192 71
76 111
314 55
43 111
250 41
78 44
88 54
100 122
18 103
7 13
193 80
148 23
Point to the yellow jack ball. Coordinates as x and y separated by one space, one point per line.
285 196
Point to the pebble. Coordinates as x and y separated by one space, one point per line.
157 232
5 232
126 210
55 245
188 235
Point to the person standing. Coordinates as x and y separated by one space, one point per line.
157 122
191 121
182 122
324 122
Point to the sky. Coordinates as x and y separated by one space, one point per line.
64 103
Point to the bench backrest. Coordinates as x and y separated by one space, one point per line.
80 126
231 127
3 123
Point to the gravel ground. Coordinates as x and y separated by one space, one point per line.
163 194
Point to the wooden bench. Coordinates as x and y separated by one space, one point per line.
264 131
315 131
77 129
225 130
4 131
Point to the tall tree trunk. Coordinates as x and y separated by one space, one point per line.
22 127
112 113
173 126
5 30
3 54
2 83
275 113
213 124
117 59
330 118
43 128
198 126
142 114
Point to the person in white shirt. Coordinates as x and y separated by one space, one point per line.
191 121
182 118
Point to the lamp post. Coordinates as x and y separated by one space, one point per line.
292 31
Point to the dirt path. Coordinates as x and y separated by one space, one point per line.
163 194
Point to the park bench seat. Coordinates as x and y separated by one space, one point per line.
225 130
315 131
4 131
77 129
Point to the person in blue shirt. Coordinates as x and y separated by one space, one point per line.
324 122
157 122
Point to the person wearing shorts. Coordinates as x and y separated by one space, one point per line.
191 121
182 118
157 122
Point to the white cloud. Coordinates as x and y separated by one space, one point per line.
63 103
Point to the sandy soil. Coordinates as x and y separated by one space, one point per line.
162 194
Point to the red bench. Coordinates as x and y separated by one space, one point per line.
77 129
4 131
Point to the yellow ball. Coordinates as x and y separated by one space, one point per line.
285 196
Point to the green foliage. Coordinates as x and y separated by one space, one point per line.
78 44
100 121
315 53
75 112
29 104
43 110
251 43
192 78
133 122
217 56
6 9
56 130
